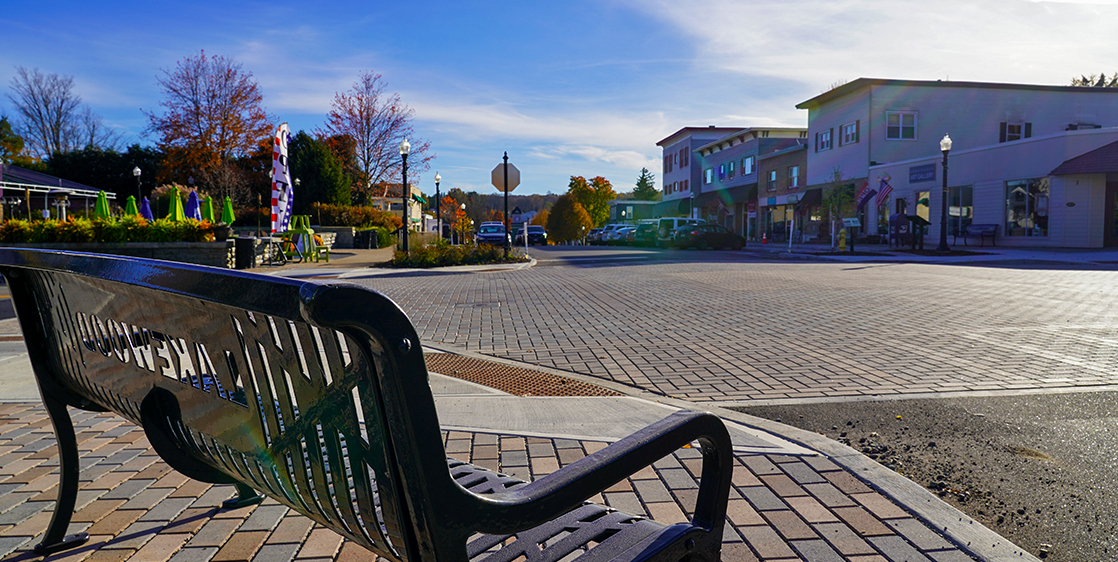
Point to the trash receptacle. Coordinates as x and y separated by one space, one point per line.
365 239
244 252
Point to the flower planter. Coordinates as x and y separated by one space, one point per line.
216 254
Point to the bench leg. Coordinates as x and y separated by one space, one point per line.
55 538
246 496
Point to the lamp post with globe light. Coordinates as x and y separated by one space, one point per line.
438 217
136 172
405 148
945 147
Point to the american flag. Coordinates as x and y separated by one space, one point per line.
883 191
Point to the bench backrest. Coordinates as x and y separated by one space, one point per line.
981 229
259 379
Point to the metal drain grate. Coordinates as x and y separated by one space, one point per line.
513 380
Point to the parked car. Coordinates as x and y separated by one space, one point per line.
536 235
604 236
594 236
492 233
617 236
707 235
645 234
667 227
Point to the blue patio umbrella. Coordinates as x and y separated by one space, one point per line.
193 207
145 210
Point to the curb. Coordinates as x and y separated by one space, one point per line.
968 534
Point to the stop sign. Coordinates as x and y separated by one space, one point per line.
499 177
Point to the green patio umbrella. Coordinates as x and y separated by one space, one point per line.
101 208
130 207
207 210
176 212
227 212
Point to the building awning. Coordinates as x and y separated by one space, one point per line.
739 194
672 207
811 198
1098 161
418 198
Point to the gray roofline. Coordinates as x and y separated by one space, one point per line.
755 131
799 146
696 130
853 86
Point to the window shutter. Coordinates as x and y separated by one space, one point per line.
1028 130
858 130
1001 138
817 142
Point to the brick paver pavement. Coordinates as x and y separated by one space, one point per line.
749 331
136 508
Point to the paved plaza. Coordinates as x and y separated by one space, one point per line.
763 332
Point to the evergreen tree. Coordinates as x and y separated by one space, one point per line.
321 177
646 187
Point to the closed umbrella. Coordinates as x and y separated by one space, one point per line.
176 213
101 208
227 212
207 210
130 207
145 210
193 207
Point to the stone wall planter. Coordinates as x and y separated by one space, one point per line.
216 254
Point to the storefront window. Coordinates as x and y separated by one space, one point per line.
923 205
960 208
883 217
1026 207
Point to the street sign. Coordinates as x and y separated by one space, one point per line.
499 177
852 223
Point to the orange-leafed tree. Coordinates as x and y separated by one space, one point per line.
493 215
376 122
568 220
594 196
448 208
212 114
541 218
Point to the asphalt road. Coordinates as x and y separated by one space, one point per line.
1002 376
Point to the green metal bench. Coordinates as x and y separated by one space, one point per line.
317 395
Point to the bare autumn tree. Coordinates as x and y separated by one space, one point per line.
51 117
212 114
377 122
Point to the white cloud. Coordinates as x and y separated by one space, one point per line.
816 43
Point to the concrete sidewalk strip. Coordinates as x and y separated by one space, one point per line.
781 506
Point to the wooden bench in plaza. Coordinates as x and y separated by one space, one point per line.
317 395
980 231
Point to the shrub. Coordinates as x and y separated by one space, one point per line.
442 254
15 231
126 229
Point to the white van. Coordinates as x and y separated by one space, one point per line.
667 226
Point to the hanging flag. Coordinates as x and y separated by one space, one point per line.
864 195
282 192
884 191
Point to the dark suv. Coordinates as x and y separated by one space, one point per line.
492 234
536 235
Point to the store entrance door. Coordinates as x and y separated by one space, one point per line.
1110 224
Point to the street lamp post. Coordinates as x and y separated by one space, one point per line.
945 146
438 217
405 148
136 172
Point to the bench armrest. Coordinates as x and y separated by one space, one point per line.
566 489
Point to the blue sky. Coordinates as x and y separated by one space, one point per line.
575 87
